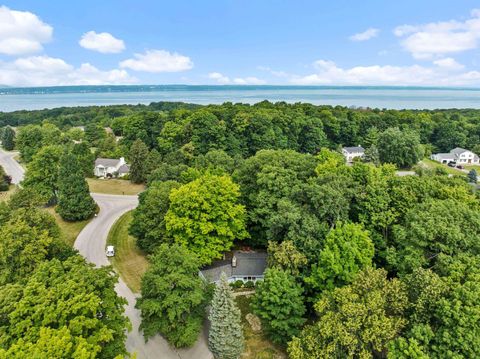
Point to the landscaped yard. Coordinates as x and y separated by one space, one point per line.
70 230
114 186
450 170
129 261
257 346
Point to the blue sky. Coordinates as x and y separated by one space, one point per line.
240 42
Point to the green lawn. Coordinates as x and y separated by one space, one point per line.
257 346
473 167
434 164
114 186
129 261
70 230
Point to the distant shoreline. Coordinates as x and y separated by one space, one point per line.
180 87
382 97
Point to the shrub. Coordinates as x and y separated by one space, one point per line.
249 284
237 284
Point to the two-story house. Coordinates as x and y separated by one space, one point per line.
457 155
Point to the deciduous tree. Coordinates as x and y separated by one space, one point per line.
356 321
70 301
42 173
173 296
401 148
205 216
148 223
347 250
278 302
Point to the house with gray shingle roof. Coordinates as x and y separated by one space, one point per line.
243 265
457 155
350 153
110 167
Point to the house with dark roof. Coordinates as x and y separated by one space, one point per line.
110 167
457 155
243 265
353 152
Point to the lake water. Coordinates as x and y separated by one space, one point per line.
12 99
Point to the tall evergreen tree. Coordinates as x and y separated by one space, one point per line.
225 338
472 176
138 162
74 200
8 138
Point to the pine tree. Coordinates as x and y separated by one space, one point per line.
138 162
74 200
8 138
472 176
225 338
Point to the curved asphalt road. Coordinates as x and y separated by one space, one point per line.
11 166
91 244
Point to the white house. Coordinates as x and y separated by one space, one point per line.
353 152
244 265
110 167
457 155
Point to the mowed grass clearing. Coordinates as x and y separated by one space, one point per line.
114 186
129 261
450 170
70 230
257 346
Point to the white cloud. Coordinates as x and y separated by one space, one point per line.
444 73
22 32
102 42
368 34
225 80
158 61
217 76
448 63
273 72
49 71
440 38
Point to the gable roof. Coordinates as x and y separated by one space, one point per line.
106 162
249 264
354 149
458 150
124 169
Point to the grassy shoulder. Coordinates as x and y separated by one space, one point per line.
434 164
130 262
257 345
114 186
70 230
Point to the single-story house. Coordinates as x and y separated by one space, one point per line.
243 265
110 167
353 152
457 155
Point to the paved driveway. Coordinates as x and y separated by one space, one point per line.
91 244
11 166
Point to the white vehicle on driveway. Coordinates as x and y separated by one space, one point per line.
110 251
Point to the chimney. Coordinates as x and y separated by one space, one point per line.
234 261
